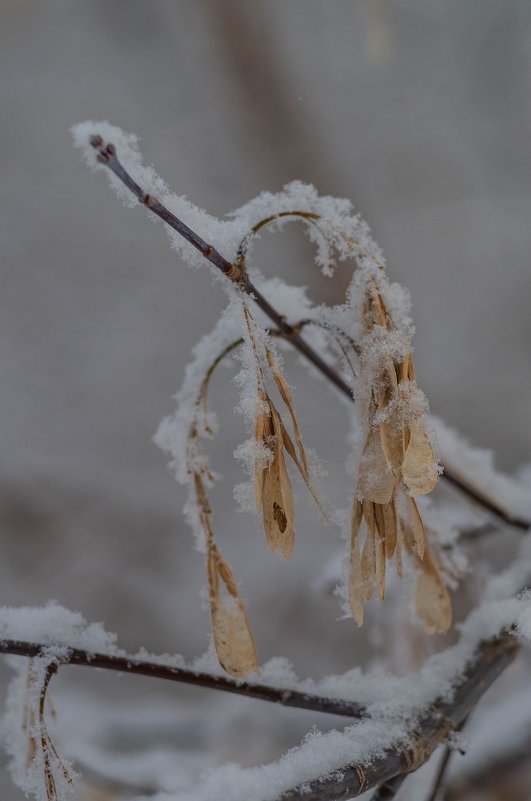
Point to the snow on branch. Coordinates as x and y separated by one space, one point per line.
402 719
337 229
363 347
58 631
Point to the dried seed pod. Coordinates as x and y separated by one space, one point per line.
376 480
419 469
432 600
368 554
285 394
397 454
356 593
277 494
232 633
233 638
273 490
414 524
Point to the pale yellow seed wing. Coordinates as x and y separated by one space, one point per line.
419 468
262 432
357 517
277 499
288 445
276 514
356 593
416 527
368 555
285 394
233 638
390 524
399 545
287 508
376 481
392 441
377 304
258 467
380 566
406 370
432 600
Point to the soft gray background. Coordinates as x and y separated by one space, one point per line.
418 111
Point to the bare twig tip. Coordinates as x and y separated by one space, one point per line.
105 152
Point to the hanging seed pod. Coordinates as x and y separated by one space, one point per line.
432 600
231 631
397 457
419 469
274 493
233 638
273 490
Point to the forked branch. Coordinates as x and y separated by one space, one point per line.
442 718
106 154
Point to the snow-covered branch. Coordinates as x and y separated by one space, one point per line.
401 720
442 718
158 669
107 156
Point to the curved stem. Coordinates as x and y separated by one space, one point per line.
107 155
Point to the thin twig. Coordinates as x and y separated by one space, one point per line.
127 664
441 773
441 718
477 496
107 155
389 789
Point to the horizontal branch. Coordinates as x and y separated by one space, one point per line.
127 664
443 717
440 719
106 154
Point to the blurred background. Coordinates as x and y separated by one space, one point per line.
420 112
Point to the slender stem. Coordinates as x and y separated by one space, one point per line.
441 773
106 154
389 789
127 664
437 788
483 500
